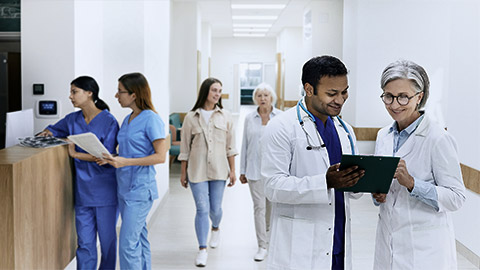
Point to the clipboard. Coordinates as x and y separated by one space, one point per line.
379 171
90 143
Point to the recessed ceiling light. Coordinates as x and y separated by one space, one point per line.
260 25
247 35
254 6
247 17
250 30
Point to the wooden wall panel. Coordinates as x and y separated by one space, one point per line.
366 134
471 178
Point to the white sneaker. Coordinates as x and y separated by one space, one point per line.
261 254
202 257
215 238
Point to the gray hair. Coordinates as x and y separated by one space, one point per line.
265 87
404 69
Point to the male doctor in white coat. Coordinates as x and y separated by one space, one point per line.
301 151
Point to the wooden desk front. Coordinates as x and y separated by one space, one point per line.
37 226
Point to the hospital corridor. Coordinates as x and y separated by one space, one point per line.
123 118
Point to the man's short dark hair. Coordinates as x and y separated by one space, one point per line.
321 66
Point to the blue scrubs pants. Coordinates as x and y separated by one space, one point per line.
134 249
90 221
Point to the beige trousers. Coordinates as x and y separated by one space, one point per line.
262 209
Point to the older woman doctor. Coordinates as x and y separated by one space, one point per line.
414 229
255 123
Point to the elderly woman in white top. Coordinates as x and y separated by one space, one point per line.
414 228
255 123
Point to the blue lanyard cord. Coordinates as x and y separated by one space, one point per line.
348 134
300 105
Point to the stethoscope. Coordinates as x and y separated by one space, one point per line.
322 144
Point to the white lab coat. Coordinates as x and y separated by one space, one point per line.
303 207
410 233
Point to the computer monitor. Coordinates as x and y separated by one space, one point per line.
19 125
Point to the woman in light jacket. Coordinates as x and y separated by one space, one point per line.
207 153
415 230
255 123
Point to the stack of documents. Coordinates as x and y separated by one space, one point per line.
41 142
90 143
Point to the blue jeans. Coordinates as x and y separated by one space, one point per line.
134 248
208 197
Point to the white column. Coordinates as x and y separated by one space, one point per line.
183 54
326 18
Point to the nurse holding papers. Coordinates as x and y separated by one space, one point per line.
379 171
96 211
90 143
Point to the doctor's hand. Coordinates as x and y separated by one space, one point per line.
343 178
232 178
243 179
403 177
380 197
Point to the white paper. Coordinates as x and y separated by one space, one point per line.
90 143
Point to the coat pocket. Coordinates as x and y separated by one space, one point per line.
293 243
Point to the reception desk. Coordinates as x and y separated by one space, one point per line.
37 225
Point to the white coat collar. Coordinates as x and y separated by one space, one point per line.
409 144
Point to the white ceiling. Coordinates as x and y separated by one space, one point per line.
219 14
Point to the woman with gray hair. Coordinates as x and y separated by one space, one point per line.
264 97
414 229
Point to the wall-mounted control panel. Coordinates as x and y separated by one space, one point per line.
47 108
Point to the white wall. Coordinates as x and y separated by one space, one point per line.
226 52
288 43
104 39
47 53
436 35
184 42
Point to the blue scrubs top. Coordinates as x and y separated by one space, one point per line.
332 142
135 140
94 185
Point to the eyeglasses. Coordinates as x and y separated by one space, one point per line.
402 99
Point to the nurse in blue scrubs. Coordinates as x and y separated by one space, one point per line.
96 211
142 144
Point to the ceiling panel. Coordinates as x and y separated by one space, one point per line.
218 13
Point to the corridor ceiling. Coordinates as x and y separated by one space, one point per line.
219 14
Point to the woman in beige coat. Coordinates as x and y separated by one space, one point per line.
207 153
